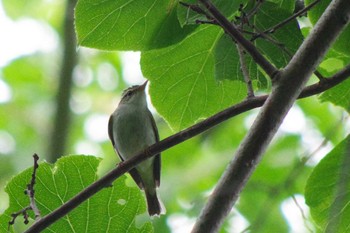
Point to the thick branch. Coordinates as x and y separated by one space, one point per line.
232 31
251 103
62 119
288 87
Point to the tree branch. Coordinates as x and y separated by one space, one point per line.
287 88
234 33
105 181
62 119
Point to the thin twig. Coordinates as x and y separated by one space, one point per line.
301 212
281 46
30 189
242 61
245 71
254 10
171 141
196 8
292 17
234 33
30 193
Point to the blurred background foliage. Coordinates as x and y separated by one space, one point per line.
32 51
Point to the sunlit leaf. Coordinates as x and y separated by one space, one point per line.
339 95
184 89
327 190
127 25
228 65
280 45
113 209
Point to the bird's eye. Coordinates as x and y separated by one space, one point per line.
128 94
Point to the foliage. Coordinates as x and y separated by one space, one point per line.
184 70
327 188
115 208
195 72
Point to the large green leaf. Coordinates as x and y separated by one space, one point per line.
183 87
128 25
228 66
342 44
327 190
113 209
284 41
339 95
188 16
285 4
289 37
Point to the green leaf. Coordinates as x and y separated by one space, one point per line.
342 43
288 37
329 178
187 16
338 95
183 88
114 209
284 41
228 66
128 25
285 4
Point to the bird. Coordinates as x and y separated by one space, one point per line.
132 129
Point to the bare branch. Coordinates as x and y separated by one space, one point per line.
30 189
30 193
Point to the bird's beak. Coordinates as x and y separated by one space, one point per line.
143 86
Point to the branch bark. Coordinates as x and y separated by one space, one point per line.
234 33
62 119
287 88
246 105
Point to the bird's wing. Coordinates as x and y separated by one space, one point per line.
133 172
157 160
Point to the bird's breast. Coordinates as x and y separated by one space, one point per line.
132 131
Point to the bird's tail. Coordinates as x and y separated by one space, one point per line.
153 204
